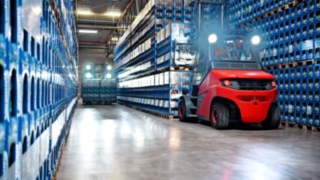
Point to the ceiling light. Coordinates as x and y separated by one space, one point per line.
114 39
85 12
88 31
113 13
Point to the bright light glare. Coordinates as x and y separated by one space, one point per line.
88 76
88 31
38 38
255 40
85 12
113 13
36 10
213 38
109 67
109 76
114 39
88 67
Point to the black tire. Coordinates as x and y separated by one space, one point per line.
273 119
182 111
219 115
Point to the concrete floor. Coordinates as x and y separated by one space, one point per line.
116 142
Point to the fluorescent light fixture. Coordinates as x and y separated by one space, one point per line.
109 67
113 13
213 38
114 39
88 31
85 12
109 75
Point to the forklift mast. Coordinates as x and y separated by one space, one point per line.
209 16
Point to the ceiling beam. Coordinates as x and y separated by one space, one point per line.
102 21
92 26
92 42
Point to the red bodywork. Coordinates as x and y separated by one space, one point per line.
253 104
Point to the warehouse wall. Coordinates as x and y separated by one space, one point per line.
92 56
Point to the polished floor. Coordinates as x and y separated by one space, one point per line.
119 143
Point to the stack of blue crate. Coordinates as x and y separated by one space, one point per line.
98 84
37 91
152 65
291 31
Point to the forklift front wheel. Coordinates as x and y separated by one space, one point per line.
219 115
274 118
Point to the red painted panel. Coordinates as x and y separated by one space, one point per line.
253 105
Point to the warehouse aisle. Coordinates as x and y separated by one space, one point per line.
121 143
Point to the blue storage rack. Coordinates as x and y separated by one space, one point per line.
165 48
150 77
291 31
38 87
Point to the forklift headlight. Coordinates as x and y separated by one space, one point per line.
227 83
88 76
88 67
230 84
108 76
213 38
255 40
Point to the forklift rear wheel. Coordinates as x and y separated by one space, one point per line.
219 115
183 111
274 118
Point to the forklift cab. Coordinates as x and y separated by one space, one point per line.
228 52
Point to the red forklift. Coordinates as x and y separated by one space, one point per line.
229 84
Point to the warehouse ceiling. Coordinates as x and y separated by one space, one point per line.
91 15
109 18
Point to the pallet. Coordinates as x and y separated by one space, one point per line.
165 116
306 62
181 68
291 4
291 64
63 145
300 126
287 65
